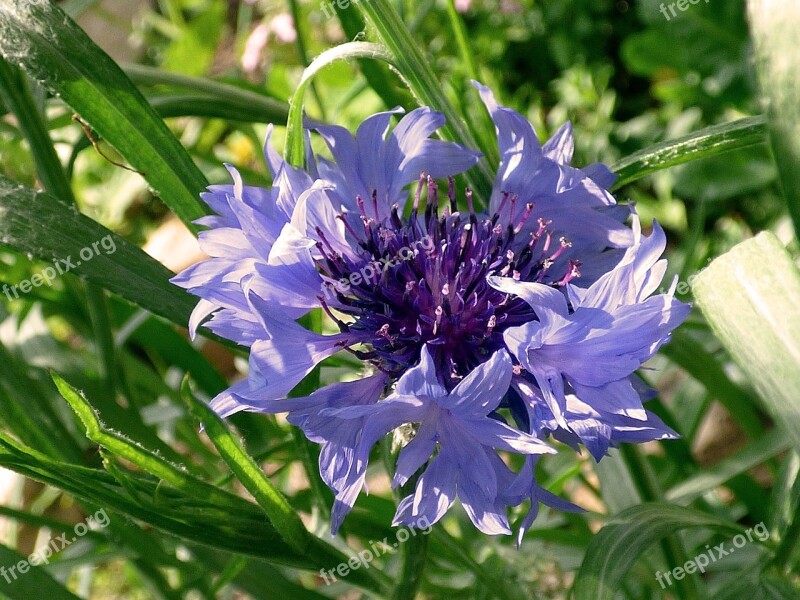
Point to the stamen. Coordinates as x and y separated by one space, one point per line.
343 218
438 312
468 194
451 193
418 193
502 203
491 325
524 217
375 204
343 327
564 245
322 237
572 273
396 220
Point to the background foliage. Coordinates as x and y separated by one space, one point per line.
241 512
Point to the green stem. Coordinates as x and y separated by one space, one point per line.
788 545
413 555
711 141
461 40
646 483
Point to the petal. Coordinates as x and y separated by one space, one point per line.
481 391
422 380
537 295
561 146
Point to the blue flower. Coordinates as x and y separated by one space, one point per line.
459 426
485 332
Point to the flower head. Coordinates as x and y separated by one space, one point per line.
486 331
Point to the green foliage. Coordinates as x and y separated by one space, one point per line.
238 507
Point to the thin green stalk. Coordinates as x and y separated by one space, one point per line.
413 555
646 483
151 76
457 24
788 545
300 43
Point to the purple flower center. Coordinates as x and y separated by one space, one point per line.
423 280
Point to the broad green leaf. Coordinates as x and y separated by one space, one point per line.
774 25
626 537
35 582
44 227
706 142
52 49
749 296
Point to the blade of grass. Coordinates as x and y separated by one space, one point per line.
710 141
42 226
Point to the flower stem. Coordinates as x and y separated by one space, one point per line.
787 545
414 551
650 491
413 555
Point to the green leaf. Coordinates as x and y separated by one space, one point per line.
274 503
143 458
751 456
209 97
46 228
189 517
710 141
774 25
35 582
749 296
626 537
51 48
295 137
